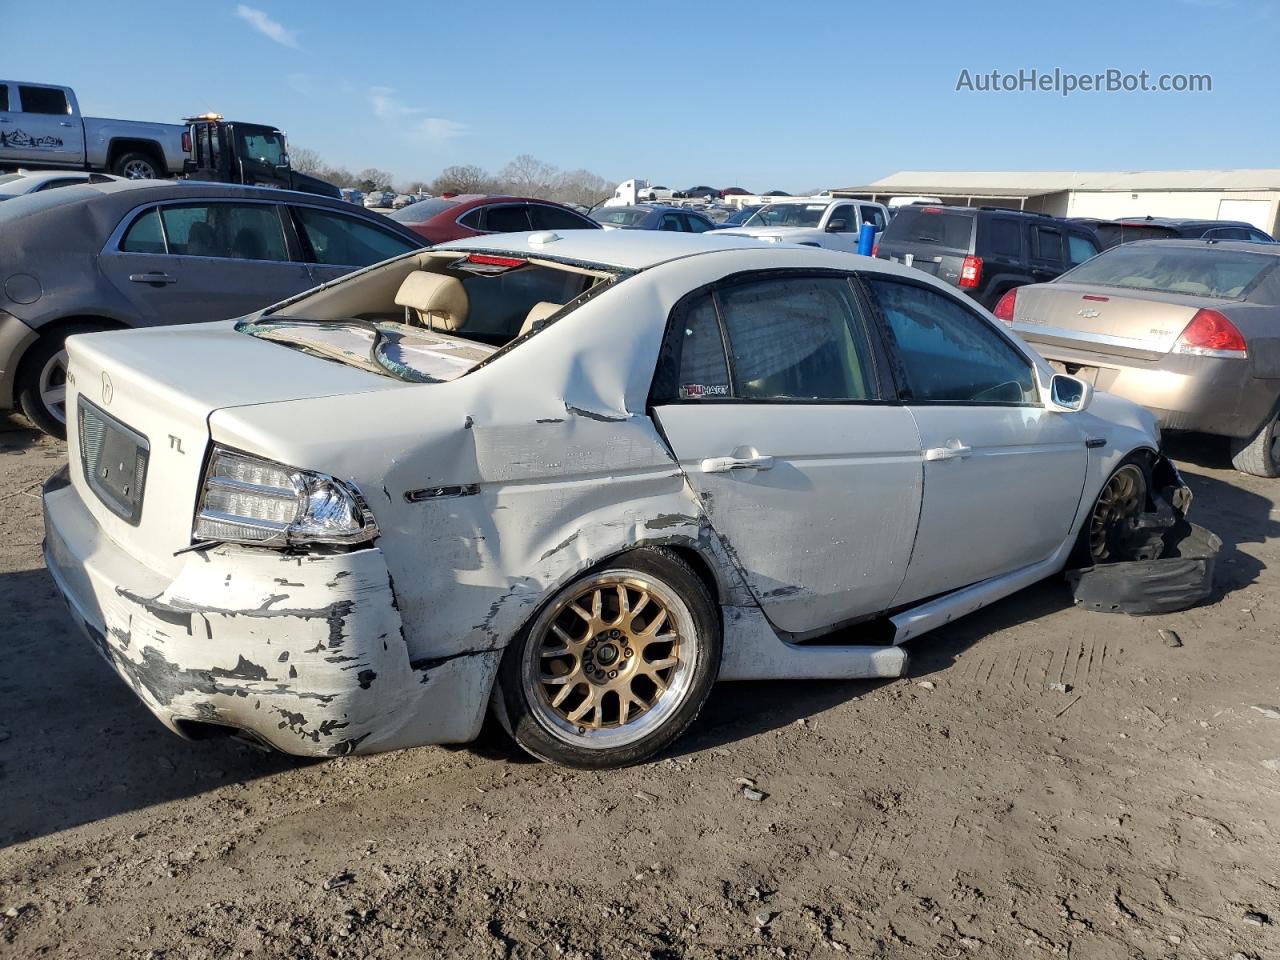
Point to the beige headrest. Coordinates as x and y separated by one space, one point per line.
443 298
539 311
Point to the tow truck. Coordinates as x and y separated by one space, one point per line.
230 151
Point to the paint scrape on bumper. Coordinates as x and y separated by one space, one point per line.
304 653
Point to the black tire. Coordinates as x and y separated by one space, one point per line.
32 370
534 725
1081 554
1259 456
136 165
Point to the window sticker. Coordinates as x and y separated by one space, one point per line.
700 391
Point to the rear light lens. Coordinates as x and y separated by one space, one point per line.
249 500
875 250
971 272
186 141
1211 334
1004 309
930 209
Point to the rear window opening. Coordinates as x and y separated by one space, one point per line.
931 225
430 317
1193 271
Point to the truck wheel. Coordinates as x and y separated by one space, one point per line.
136 166
1260 455
41 383
616 666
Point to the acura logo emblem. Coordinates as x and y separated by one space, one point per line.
1087 313
107 389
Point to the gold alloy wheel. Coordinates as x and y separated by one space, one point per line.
1121 501
611 660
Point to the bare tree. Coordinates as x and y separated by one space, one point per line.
582 187
371 179
305 160
462 178
528 176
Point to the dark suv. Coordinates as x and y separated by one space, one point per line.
985 251
1127 229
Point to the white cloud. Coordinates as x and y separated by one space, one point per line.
387 106
273 29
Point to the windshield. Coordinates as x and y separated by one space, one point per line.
620 216
1195 271
423 210
788 215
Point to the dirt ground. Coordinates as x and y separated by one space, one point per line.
969 810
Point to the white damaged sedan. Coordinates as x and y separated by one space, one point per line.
574 479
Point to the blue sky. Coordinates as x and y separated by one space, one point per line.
765 95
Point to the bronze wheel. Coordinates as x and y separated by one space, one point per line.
615 665
1120 503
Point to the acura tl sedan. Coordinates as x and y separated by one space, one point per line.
573 479
1187 328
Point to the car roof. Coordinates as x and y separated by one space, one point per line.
1244 246
1181 222
628 249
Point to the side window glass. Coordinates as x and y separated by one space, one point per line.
553 218
1048 243
873 216
845 212
1080 249
43 100
696 224
1260 236
509 218
797 338
228 230
144 235
4 97
346 241
671 222
704 373
949 354
1005 237
472 218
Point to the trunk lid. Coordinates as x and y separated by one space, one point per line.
1106 320
156 388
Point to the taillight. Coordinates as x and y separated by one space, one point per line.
493 261
971 272
875 250
1210 333
1004 309
186 141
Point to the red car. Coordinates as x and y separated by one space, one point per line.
442 219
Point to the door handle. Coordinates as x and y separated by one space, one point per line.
954 450
725 464
156 278
64 123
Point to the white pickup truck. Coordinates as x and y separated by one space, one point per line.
41 126
813 221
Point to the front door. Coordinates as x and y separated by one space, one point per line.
809 477
207 260
1003 475
44 128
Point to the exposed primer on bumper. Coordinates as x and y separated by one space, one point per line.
305 653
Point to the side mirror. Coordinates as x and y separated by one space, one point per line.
837 226
1069 394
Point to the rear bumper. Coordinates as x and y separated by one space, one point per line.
304 653
15 337
1185 392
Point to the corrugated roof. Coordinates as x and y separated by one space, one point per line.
1036 183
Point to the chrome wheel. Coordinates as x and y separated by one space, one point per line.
1121 502
138 170
611 661
53 386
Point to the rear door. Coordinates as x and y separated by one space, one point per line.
194 261
809 474
1048 254
1002 474
45 127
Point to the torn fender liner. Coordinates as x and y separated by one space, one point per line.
1180 578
